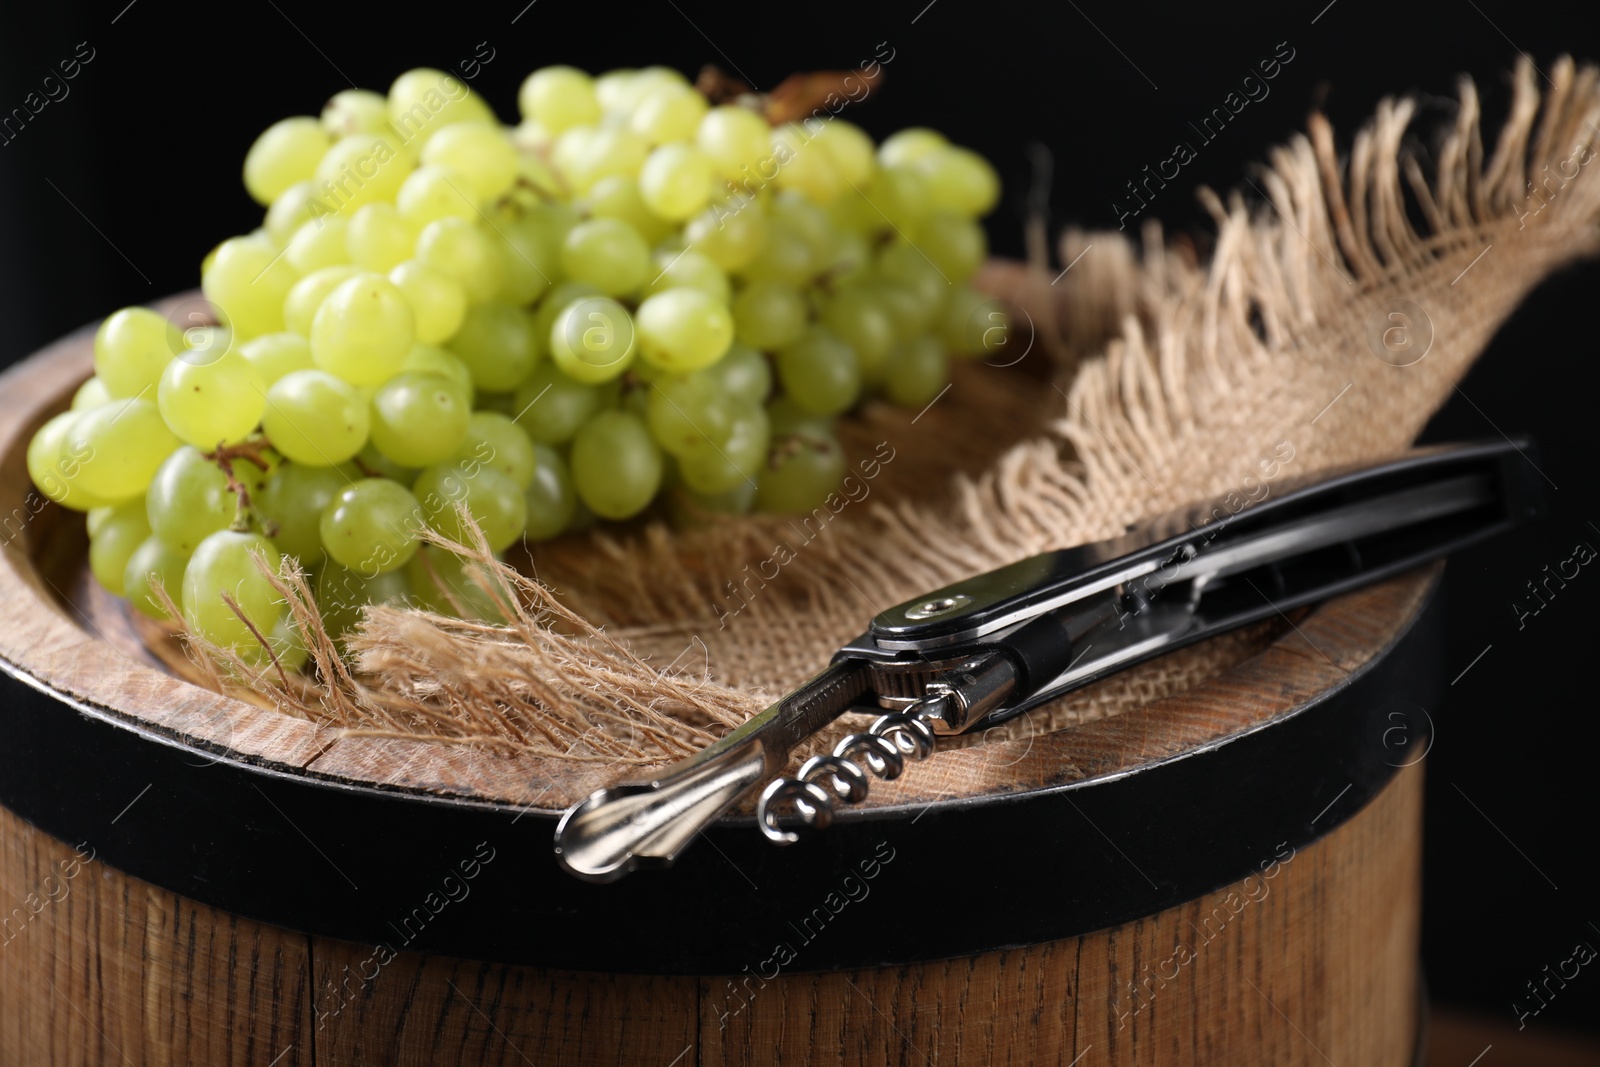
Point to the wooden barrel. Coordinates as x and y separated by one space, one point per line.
1227 875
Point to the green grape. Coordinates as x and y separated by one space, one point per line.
91 394
682 329
568 147
607 254
371 526
785 257
721 468
909 313
427 359
811 222
689 412
342 594
447 584
593 340
131 349
820 372
495 341
675 181
803 167
459 250
729 237
804 472
225 565
354 111
903 262
114 541
852 259
433 192
550 406
494 501
559 98
616 467
528 263
669 113
211 403
690 508
618 197
189 500
274 355
899 197
858 318
97 517
295 205
496 442
363 168
973 325
743 373
379 238
55 469
954 242
291 504
616 90
319 242
536 177
850 150
419 419
737 140
119 448
607 152
154 562
689 269
285 153
856 214
554 303
916 371
315 419
960 180
247 282
423 101
909 146
789 419
375 464
480 152
549 222
549 498
438 303
769 315
205 344
363 330
307 294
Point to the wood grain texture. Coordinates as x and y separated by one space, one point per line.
1311 961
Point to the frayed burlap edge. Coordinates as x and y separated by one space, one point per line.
1281 356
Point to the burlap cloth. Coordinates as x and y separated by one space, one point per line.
1343 299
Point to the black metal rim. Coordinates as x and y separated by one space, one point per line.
411 871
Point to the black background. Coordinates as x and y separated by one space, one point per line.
112 195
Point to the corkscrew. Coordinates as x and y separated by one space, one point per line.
990 647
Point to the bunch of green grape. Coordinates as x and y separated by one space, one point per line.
632 296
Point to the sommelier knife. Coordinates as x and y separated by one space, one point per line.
987 648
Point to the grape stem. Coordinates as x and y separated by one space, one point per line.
224 457
797 96
365 468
